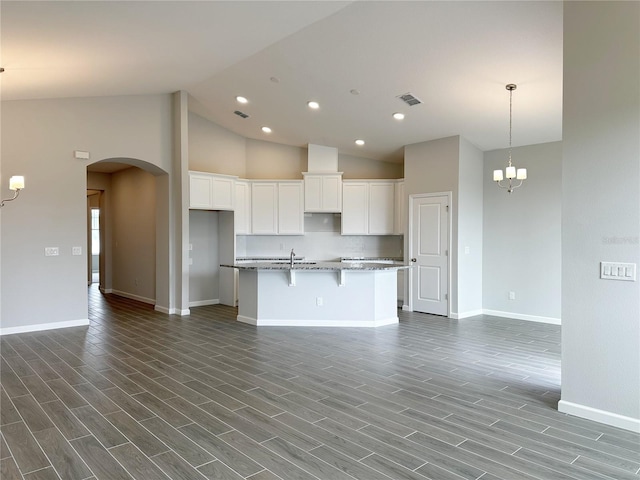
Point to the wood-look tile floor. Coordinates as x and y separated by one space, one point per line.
143 395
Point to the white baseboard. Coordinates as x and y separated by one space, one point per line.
521 316
202 303
132 296
470 313
44 326
172 311
317 323
106 290
406 308
602 416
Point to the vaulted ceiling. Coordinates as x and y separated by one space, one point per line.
353 58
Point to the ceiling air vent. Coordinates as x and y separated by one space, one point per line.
241 114
410 99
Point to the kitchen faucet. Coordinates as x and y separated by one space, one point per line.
292 256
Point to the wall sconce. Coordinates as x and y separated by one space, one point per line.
16 183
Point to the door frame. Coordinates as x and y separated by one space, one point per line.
410 246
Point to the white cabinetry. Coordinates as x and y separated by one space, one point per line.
242 218
277 208
209 191
368 207
400 208
291 208
322 192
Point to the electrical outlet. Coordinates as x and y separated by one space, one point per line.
319 301
191 246
51 251
76 250
512 295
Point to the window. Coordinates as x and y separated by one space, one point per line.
95 231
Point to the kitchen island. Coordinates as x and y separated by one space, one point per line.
318 294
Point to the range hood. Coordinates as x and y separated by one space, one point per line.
322 159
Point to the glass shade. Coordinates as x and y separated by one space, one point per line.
521 174
511 172
16 182
497 175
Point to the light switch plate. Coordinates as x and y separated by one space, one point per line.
618 271
51 251
76 250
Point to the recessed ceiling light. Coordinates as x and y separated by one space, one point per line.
266 129
398 116
314 105
241 99
359 142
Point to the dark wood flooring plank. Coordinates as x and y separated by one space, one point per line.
137 434
99 460
62 456
65 420
25 450
136 463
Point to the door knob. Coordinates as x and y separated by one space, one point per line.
414 260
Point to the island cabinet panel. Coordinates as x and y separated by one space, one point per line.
277 208
208 191
368 207
290 208
322 192
242 220
264 208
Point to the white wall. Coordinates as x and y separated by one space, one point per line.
431 167
133 215
601 211
365 168
38 140
522 244
213 148
204 272
270 160
470 214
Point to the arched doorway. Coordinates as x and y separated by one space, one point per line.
134 229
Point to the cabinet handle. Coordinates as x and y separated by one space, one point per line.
414 260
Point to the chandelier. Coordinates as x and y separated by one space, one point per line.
511 172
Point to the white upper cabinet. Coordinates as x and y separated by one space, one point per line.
322 192
290 208
368 207
208 191
264 208
277 208
355 208
242 217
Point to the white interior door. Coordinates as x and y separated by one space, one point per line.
429 253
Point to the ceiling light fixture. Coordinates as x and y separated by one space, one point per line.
266 129
511 172
314 105
16 183
359 142
241 99
398 116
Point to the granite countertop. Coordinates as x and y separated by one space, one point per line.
285 265
267 259
372 259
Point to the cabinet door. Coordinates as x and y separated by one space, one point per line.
332 193
355 208
200 191
312 193
381 208
242 213
290 208
264 208
223 192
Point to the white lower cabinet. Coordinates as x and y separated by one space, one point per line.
368 207
277 208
